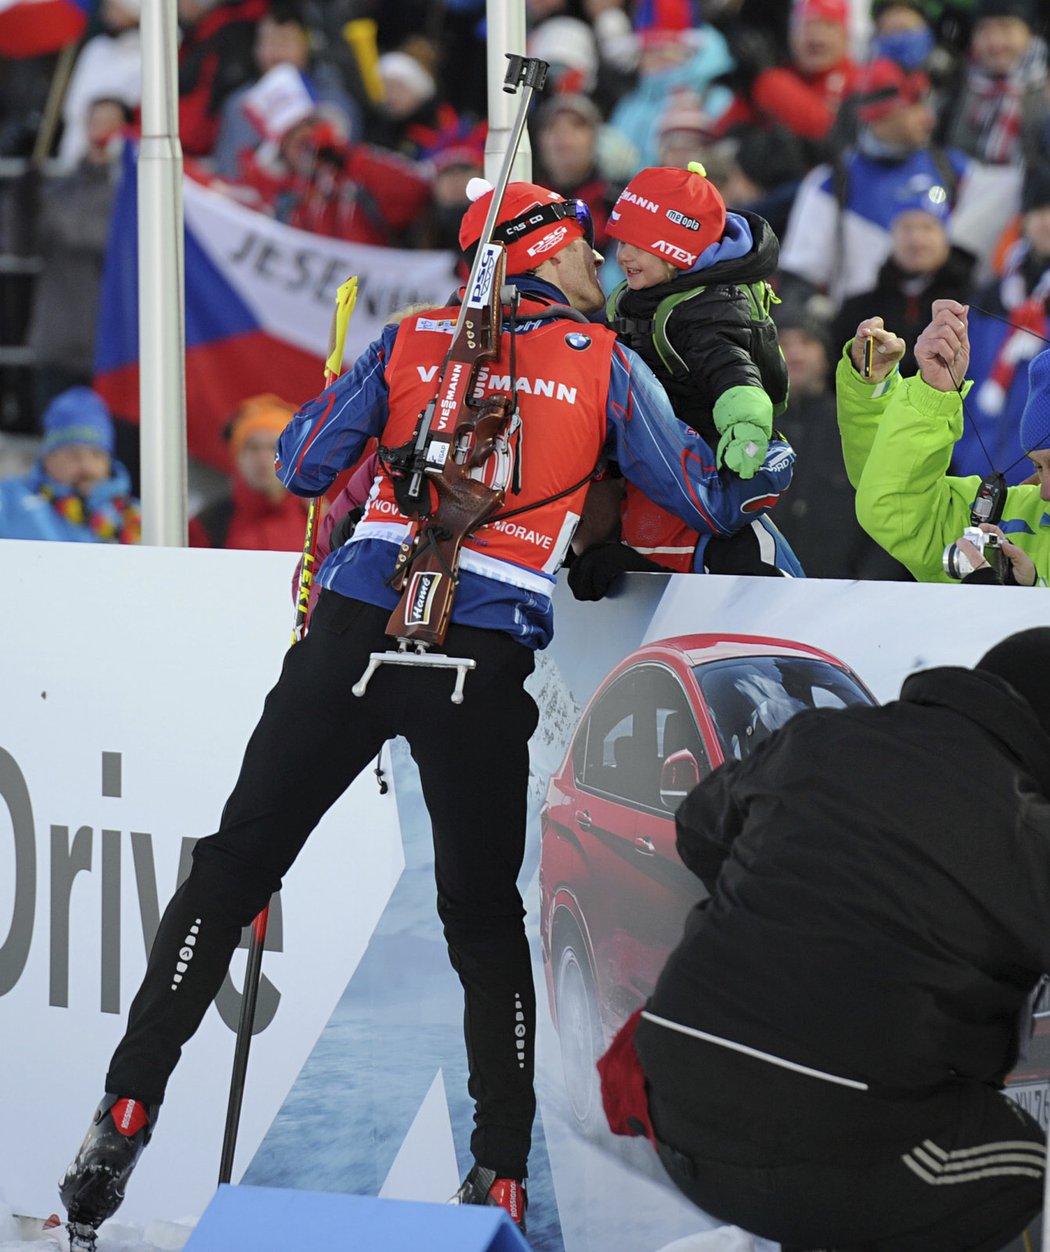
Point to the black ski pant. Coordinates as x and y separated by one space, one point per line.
814 1165
313 739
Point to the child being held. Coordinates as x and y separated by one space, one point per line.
695 307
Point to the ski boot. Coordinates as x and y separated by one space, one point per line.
481 1186
92 1188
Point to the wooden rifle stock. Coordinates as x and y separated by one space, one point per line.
462 437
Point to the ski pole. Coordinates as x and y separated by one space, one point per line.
346 298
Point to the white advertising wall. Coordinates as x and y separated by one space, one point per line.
130 681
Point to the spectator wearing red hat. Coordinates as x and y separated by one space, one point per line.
838 233
804 94
457 157
694 278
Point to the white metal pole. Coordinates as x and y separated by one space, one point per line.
505 23
162 307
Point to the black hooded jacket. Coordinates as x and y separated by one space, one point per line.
880 888
714 333
905 302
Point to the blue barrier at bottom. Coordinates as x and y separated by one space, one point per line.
265 1219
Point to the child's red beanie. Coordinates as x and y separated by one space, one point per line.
674 213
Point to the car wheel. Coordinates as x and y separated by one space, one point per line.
579 1035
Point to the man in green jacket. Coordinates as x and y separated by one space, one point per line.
897 440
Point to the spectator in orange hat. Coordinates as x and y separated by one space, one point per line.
259 513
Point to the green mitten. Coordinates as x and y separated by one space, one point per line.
743 448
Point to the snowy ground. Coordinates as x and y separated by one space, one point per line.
16 1232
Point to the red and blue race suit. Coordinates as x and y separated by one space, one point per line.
582 397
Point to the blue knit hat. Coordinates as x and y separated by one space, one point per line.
78 415
933 200
1035 420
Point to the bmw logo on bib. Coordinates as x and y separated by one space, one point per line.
575 340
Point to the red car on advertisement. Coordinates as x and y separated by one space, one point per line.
613 893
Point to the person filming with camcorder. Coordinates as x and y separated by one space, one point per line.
898 435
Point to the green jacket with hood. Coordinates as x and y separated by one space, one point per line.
897 441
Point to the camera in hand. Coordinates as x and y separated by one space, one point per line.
956 562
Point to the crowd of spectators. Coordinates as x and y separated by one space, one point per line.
900 149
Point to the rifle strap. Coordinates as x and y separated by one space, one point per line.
536 504
432 533
429 536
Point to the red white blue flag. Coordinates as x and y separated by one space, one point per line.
32 28
259 304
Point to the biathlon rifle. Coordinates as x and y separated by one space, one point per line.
438 474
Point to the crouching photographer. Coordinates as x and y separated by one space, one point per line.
898 435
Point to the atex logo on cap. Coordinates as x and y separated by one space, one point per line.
673 252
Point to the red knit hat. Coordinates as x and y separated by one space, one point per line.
673 213
534 236
883 87
833 11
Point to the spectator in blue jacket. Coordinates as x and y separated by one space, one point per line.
75 491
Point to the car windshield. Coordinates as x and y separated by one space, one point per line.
749 697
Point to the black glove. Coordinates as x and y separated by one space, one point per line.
594 571
985 575
344 528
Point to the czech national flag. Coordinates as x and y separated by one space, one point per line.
33 28
228 355
259 302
